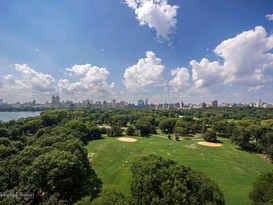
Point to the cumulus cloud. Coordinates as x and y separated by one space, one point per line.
146 73
30 79
157 14
92 79
269 17
245 60
206 73
180 80
13 82
36 80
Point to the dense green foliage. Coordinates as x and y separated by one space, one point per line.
45 155
160 181
210 136
110 195
262 193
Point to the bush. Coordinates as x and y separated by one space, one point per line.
130 131
210 136
114 131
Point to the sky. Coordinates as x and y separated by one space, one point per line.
161 50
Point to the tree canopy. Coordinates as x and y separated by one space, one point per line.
162 181
262 192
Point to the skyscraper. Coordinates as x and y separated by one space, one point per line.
53 101
146 102
140 104
57 99
214 103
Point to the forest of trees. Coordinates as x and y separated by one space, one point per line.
46 157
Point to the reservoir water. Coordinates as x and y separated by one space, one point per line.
6 116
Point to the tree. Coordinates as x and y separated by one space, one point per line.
54 167
180 131
262 192
78 129
94 133
210 136
167 125
162 181
130 131
48 119
241 137
145 126
118 120
203 127
110 195
4 132
184 123
32 126
258 133
114 131
220 127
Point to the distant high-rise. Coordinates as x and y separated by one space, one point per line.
1 102
203 105
57 99
140 104
214 103
53 101
146 102
114 102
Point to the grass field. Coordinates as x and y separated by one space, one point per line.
233 169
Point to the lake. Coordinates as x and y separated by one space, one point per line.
6 116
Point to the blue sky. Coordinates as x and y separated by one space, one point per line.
163 50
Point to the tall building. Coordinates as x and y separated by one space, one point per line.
114 102
53 100
203 105
140 104
57 99
146 103
214 103
1 102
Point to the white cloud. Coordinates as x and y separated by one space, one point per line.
269 17
180 80
92 79
29 79
10 81
36 80
146 73
206 73
157 14
245 57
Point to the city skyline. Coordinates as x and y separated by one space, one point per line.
56 102
164 51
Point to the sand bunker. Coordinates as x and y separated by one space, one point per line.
210 144
127 139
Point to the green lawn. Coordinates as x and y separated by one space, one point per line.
233 169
